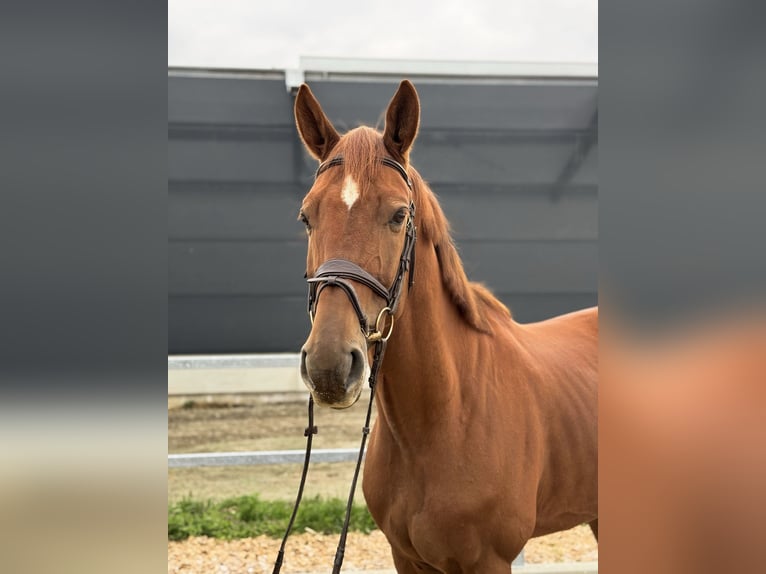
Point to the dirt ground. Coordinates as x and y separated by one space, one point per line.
235 423
231 423
269 422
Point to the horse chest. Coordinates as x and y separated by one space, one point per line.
431 517
441 531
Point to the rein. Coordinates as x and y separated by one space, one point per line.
337 273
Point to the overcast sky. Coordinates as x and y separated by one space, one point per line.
273 34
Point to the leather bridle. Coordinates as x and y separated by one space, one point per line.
337 272
340 273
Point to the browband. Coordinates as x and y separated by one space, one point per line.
387 161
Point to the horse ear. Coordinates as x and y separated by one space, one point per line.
402 121
316 131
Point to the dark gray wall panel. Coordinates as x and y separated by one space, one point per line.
236 324
516 161
262 160
533 267
495 154
533 106
505 214
269 269
587 174
213 212
269 212
261 102
237 268
521 161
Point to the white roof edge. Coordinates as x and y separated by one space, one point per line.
194 72
466 68
433 70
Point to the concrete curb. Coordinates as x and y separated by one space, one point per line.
234 374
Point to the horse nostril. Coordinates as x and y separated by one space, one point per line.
357 367
332 374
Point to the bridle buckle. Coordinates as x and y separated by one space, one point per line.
377 334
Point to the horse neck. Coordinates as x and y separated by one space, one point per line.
427 357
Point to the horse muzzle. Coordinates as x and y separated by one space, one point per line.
334 375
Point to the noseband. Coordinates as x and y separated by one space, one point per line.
338 272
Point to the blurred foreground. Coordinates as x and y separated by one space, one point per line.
682 447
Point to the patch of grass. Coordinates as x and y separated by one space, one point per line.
246 516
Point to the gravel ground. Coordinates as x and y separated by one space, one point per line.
315 552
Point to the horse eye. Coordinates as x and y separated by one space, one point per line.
305 220
399 216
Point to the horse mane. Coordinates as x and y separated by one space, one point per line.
472 299
361 149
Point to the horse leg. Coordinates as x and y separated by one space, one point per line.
404 566
490 563
594 527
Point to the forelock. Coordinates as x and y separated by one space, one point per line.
361 149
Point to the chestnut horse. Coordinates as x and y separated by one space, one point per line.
486 428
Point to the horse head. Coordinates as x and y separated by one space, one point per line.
359 218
